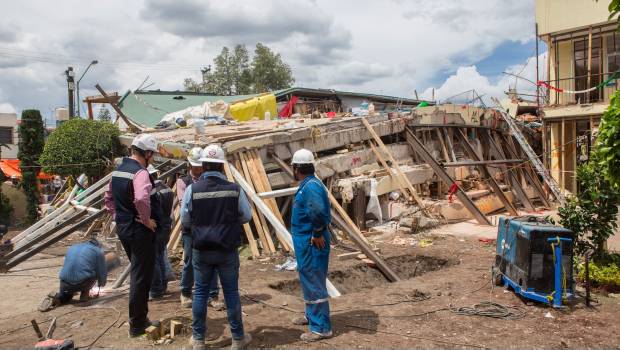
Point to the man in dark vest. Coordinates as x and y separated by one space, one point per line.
215 210
187 274
128 199
162 196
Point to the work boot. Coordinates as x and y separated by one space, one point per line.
241 343
186 302
142 331
216 305
197 344
300 321
310 337
49 302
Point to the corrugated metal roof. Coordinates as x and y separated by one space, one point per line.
148 107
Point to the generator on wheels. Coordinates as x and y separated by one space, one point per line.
535 259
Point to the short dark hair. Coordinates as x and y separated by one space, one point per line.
138 151
304 169
210 166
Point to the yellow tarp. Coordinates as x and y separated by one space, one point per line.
254 107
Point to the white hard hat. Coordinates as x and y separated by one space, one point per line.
151 169
213 154
303 156
145 143
194 155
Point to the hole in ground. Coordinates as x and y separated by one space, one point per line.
362 276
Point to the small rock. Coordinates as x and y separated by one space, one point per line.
284 303
549 315
438 294
449 294
76 324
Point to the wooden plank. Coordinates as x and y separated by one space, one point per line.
277 225
263 234
462 196
386 167
485 172
446 157
261 177
246 227
402 176
285 192
449 142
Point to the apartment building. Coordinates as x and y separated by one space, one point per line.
583 57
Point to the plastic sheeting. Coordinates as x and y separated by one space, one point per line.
10 167
254 108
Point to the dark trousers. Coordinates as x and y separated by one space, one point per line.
159 284
68 290
187 274
139 244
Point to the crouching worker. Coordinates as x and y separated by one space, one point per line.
309 225
215 210
84 266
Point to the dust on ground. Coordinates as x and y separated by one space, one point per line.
439 271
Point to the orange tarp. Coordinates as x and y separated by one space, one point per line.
10 167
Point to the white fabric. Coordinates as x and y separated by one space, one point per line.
208 109
374 207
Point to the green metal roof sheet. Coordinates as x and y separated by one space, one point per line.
148 107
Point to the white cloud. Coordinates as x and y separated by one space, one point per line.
7 108
389 47
468 78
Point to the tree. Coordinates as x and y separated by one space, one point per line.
31 140
592 213
6 209
104 115
269 72
81 146
234 75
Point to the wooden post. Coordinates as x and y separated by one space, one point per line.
562 155
359 208
90 110
589 61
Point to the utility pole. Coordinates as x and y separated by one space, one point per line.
537 77
70 88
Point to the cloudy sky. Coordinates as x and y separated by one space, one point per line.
388 47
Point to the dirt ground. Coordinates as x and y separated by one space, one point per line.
439 269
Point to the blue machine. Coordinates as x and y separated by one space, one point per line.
535 259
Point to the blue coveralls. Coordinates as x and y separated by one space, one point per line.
311 216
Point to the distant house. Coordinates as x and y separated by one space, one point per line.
9 135
583 54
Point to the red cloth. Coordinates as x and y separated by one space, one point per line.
331 114
287 111
452 191
10 167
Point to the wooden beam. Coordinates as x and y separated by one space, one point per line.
402 176
277 225
485 172
246 227
443 175
279 193
133 126
483 162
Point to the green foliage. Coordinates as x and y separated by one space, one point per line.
233 74
81 146
614 10
31 140
104 115
608 141
592 213
605 273
6 210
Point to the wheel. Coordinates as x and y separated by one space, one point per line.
496 276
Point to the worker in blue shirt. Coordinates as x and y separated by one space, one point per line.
84 266
215 210
310 218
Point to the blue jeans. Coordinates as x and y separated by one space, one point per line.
226 265
159 285
187 274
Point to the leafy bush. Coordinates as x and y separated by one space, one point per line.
31 140
81 146
605 273
608 141
592 213
6 210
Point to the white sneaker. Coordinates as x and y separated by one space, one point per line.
186 302
242 343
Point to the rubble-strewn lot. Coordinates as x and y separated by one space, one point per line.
445 271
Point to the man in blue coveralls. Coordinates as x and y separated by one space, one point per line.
309 220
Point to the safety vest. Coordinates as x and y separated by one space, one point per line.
122 191
215 215
187 179
164 197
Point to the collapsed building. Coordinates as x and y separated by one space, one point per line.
383 159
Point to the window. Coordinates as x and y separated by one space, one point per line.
580 49
6 135
613 53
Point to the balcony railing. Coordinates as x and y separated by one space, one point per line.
561 91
